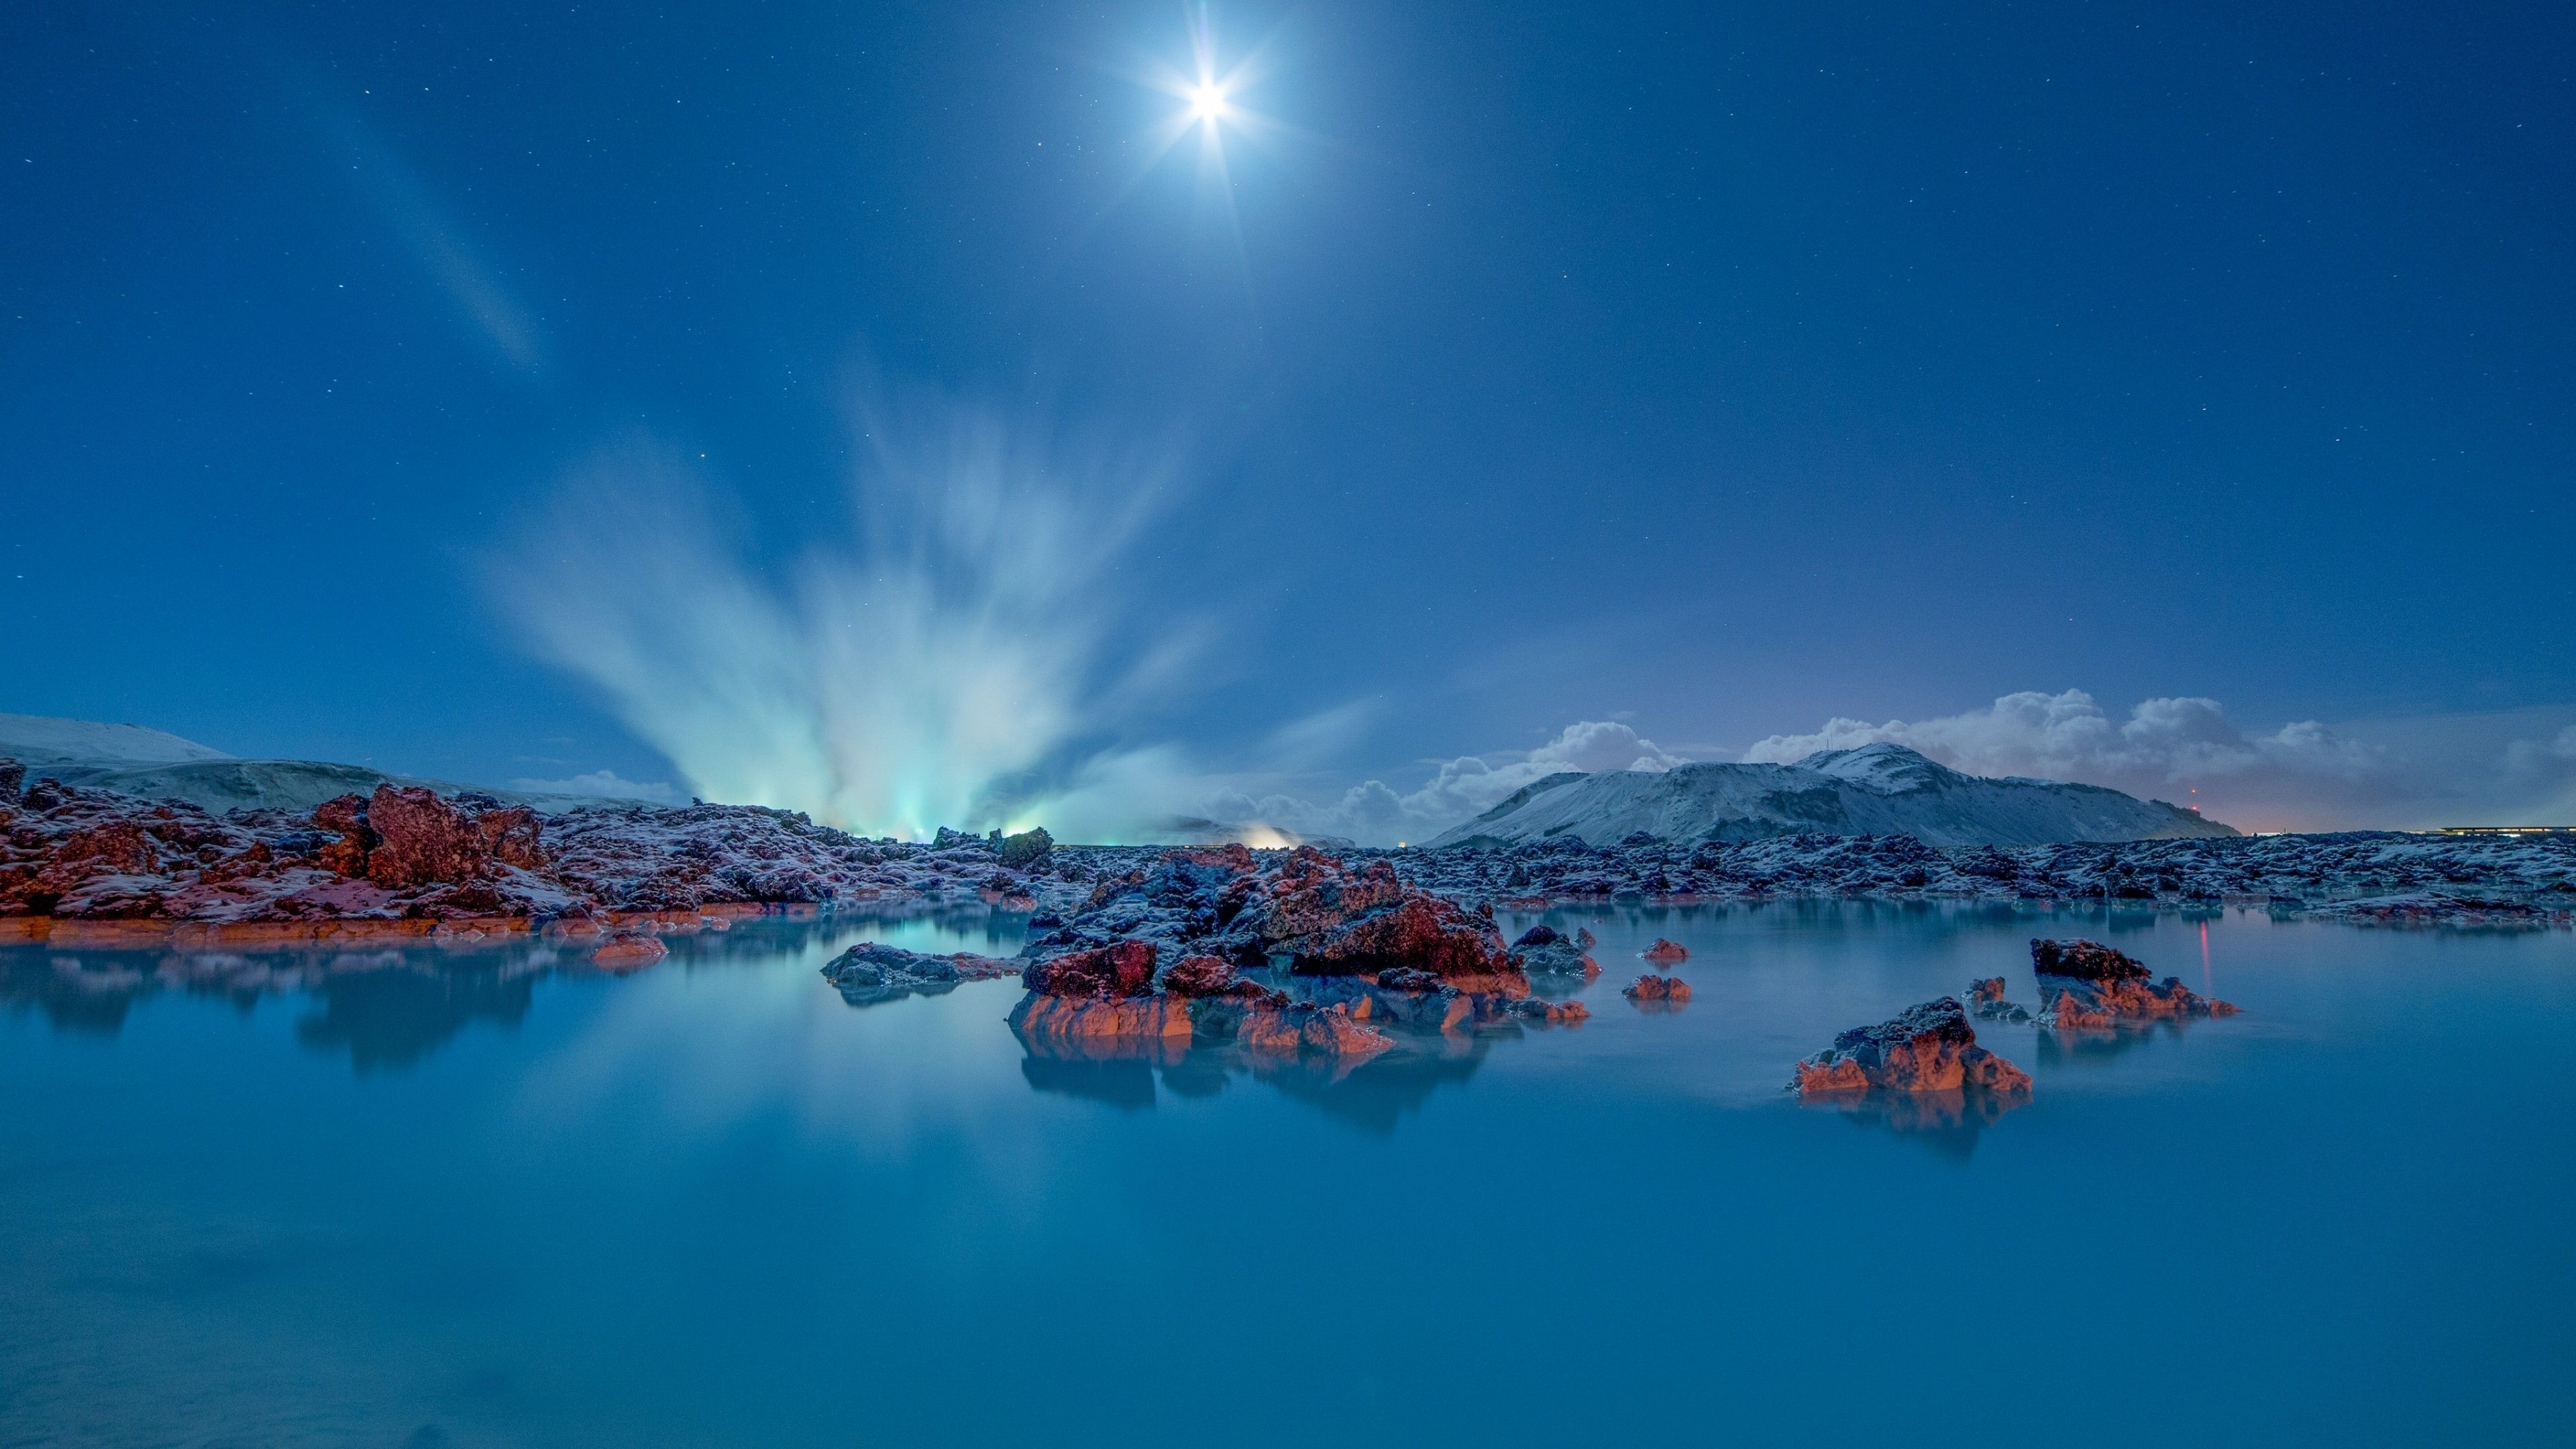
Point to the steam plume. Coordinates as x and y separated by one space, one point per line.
957 652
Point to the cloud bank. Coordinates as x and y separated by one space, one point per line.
2303 775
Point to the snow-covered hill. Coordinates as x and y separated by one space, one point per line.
1880 789
158 766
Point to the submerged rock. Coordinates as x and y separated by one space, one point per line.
1300 1028
1930 1048
1543 950
1986 1002
628 953
873 972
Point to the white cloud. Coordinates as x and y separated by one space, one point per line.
1374 813
2067 736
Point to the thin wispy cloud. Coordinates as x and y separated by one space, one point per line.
440 240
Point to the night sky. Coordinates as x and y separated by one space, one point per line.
1700 372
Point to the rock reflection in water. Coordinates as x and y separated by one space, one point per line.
1948 1122
1372 1094
387 1007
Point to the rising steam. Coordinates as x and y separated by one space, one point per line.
957 650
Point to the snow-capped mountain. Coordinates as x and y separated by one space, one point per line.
1880 789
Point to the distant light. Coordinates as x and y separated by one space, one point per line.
1207 101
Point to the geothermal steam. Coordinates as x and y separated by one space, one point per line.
956 654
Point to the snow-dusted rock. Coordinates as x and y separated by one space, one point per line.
1930 1048
2087 986
871 973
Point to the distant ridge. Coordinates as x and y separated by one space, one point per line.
1880 789
159 766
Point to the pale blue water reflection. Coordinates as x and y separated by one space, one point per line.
498 1199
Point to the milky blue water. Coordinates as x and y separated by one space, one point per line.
482 1200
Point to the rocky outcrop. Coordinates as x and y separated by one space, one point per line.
2087 986
1199 977
1109 973
1325 919
1154 1016
628 953
1986 1002
872 973
1544 951
1650 991
2082 960
1930 1048
406 838
1301 1028
1108 992
1665 952
1026 849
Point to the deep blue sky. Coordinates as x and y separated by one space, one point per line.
1725 367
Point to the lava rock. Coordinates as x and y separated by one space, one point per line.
1986 1002
1664 990
1123 970
1028 849
1930 1048
2083 961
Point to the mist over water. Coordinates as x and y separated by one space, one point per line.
961 648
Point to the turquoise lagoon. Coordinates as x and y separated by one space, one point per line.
493 1198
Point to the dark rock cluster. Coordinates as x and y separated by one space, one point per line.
81 854
1295 953
2433 879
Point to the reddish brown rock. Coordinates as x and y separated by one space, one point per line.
1667 951
1195 976
628 953
1301 1028
2090 1006
2087 986
1930 1048
422 839
510 836
1652 988
117 845
1314 894
1986 1002
1044 1015
1122 970
1420 932
346 817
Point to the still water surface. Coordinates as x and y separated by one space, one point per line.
470 1200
